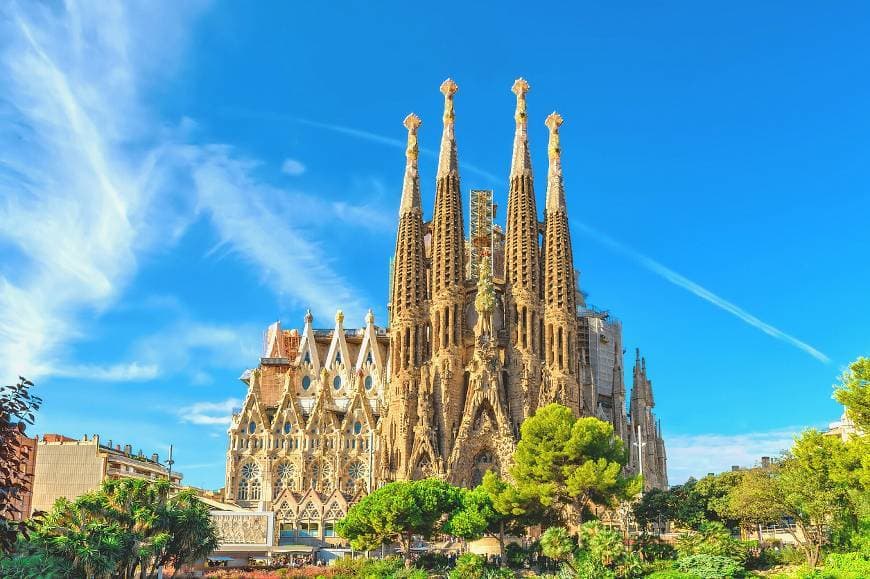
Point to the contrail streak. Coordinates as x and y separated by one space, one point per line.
702 292
359 134
382 140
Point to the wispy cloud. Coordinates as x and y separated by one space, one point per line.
698 454
91 178
292 167
130 372
390 142
700 291
209 413
364 135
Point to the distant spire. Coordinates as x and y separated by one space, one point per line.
555 189
521 164
411 184
447 159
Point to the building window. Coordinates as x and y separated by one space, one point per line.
287 427
357 427
307 357
252 427
285 477
306 382
336 382
329 529
249 482
369 382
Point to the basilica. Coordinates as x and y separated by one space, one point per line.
485 326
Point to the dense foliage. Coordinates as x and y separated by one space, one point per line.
17 410
126 528
571 463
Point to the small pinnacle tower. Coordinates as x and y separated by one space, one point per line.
408 316
647 446
522 273
447 304
560 311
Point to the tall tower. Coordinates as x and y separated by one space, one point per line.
408 319
522 273
560 311
647 446
447 305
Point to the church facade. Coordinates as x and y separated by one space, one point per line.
482 331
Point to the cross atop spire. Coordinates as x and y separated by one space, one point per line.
521 164
411 183
555 188
447 158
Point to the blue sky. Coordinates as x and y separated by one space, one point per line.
173 179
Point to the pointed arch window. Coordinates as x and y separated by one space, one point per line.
336 382
306 382
369 382
252 427
285 477
249 482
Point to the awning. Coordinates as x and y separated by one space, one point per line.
293 549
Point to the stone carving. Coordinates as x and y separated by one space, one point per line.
241 529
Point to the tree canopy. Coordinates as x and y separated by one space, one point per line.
853 392
570 463
397 511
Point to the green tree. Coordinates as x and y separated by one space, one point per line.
809 490
714 492
494 508
571 463
753 501
126 528
853 392
398 511
558 545
17 410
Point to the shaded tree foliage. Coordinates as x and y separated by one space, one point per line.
571 463
18 409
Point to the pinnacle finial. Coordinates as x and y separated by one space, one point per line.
410 184
447 159
412 122
555 189
520 88
339 317
448 89
308 316
370 317
521 163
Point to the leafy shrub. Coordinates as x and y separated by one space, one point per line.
515 555
433 561
709 566
671 574
791 555
469 566
711 538
652 548
499 573
848 565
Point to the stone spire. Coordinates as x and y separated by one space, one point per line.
522 274
448 163
448 240
411 183
409 277
560 295
447 280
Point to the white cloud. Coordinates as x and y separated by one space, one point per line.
698 454
130 372
292 167
90 179
209 413
701 292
